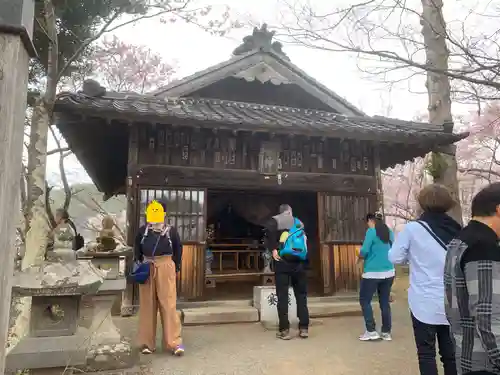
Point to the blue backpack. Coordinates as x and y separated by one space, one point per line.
296 242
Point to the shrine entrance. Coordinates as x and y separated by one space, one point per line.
235 249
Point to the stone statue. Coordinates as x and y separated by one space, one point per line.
266 255
106 237
260 39
107 240
61 237
209 256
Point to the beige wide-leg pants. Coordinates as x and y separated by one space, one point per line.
159 292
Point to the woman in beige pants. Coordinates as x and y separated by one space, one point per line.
159 244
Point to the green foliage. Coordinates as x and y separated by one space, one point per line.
77 21
436 165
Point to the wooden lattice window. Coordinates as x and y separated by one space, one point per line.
185 210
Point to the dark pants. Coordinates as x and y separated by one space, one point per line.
291 274
425 338
366 293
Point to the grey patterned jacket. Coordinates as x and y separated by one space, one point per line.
472 287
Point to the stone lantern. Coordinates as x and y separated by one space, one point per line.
55 340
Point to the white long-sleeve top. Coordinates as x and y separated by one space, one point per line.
426 259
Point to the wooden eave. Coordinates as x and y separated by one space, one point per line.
236 116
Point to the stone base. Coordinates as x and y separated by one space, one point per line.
48 352
267 280
210 283
111 357
265 301
117 306
52 371
104 331
127 310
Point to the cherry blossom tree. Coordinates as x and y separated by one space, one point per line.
122 66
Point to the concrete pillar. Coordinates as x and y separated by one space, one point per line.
16 31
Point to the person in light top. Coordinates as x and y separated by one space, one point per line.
378 276
423 245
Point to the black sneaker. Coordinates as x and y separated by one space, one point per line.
284 335
303 333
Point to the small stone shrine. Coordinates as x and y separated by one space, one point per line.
55 339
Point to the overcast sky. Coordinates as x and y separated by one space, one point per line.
193 49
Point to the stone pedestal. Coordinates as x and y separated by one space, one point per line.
265 301
106 348
110 262
267 279
104 331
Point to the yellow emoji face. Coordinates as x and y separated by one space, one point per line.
155 213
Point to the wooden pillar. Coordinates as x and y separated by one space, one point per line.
325 249
192 276
16 30
378 176
127 305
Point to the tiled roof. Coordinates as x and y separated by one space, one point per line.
249 116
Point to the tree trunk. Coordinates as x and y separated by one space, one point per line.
38 227
438 88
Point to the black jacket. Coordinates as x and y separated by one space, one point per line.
169 244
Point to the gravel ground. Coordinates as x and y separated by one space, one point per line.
333 348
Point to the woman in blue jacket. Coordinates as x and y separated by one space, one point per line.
378 276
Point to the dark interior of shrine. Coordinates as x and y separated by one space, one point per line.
235 236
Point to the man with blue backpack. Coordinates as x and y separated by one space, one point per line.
287 240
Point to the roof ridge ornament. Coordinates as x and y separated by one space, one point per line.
261 39
93 88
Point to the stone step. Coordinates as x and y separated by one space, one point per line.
220 315
319 309
243 313
214 303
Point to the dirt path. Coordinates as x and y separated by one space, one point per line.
333 348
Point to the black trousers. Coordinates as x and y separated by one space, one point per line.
425 338
294 274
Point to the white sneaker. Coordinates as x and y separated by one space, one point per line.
386 336
146 350
369 336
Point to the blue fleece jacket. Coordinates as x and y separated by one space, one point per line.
376 253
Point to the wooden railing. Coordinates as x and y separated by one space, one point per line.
234 258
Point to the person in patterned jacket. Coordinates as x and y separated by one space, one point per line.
472 287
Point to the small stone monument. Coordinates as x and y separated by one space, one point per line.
55 339
265 301
107 350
